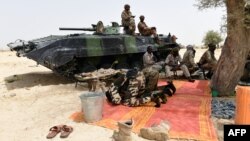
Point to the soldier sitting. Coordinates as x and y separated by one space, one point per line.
188 59
144 29
149 60
245 78
208 60
174 62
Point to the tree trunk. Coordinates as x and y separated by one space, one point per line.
234 53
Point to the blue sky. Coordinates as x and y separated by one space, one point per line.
30 19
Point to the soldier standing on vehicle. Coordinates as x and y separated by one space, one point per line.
128 21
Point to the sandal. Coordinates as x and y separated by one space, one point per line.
66 130
53 131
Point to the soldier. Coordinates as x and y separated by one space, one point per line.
149 60
128 21
131 89
174 61
208 60
144 29
152 77
188 59
245 78
173 39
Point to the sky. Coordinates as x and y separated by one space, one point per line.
31 19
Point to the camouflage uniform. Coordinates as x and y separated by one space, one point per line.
149 61
145 30
172 62
188 59
129 91
152 77
208 60
128 22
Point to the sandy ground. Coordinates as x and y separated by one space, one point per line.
40 99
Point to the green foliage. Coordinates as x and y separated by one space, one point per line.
212 37
204 4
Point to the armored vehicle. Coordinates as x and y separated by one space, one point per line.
75 53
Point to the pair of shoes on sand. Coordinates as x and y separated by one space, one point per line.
64 129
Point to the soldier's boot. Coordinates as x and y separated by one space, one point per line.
124 133
157 101
158 133
156 97
163 98
167 91
190 79
171 86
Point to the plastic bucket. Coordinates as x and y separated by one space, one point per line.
92 105
242 114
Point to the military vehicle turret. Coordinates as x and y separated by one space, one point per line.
75 53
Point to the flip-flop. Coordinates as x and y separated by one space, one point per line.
53 131
66 130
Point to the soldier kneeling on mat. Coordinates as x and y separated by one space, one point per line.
135 89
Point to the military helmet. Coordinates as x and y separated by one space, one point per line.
142 17
126 6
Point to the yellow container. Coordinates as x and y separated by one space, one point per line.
242 114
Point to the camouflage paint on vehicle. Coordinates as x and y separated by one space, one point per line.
75 53
130 44
93 46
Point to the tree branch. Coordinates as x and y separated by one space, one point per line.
205 4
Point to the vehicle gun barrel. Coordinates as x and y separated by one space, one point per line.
83 29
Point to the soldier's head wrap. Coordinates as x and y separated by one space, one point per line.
131 74
189 47
211 46
175 51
